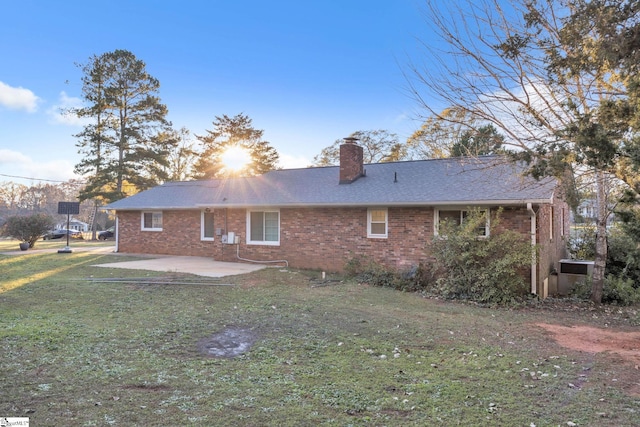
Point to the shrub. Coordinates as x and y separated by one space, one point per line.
623 255
623 263
28 228
368 271
482 269
617 290
620 291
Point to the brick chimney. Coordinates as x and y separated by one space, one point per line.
351 161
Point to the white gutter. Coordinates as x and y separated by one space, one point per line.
236 205
534 266
466 203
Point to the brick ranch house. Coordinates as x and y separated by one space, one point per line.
319 218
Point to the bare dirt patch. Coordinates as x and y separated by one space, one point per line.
596 340
625 345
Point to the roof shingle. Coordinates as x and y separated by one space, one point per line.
456 181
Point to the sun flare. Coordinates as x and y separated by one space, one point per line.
236 158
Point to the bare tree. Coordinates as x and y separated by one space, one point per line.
378 146
182 156
497 64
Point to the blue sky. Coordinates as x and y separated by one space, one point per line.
306 72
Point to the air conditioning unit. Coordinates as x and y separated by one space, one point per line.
573 271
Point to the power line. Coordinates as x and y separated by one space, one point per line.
35 179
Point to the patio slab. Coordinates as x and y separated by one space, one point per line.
201 266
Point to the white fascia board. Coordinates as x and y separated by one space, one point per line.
377 204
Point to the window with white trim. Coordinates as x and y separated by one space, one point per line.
457 217
207 232
151 221
263 227
377 223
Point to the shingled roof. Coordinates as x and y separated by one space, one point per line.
455 181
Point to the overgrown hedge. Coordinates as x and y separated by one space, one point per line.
463 265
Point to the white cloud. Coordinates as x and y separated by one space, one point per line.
18 98
56 170
19 167
13 157
292 162
60 112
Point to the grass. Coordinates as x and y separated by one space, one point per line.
78 352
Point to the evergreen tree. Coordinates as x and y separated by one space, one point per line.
121 144
234 134
484 141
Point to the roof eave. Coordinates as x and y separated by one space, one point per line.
489 202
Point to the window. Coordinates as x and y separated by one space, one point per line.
457 217
206 226
377 223
263 227
152 221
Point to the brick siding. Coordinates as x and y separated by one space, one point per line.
322 238
326 238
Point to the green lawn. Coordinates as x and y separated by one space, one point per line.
79 351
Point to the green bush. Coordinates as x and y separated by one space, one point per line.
482 269
28 228
366 270
620 291
623 255
623 263
617 290
463 266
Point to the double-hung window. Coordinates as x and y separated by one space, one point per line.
206 225
263 227
151 221
458 217
377 223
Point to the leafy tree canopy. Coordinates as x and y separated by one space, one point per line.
378 146
438 133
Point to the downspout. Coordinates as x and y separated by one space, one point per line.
534 263
117 235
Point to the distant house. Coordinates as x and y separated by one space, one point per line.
74 224
319 218
587 211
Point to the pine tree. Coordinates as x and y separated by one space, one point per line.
121 145
233 133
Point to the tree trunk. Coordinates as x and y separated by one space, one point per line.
601 239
